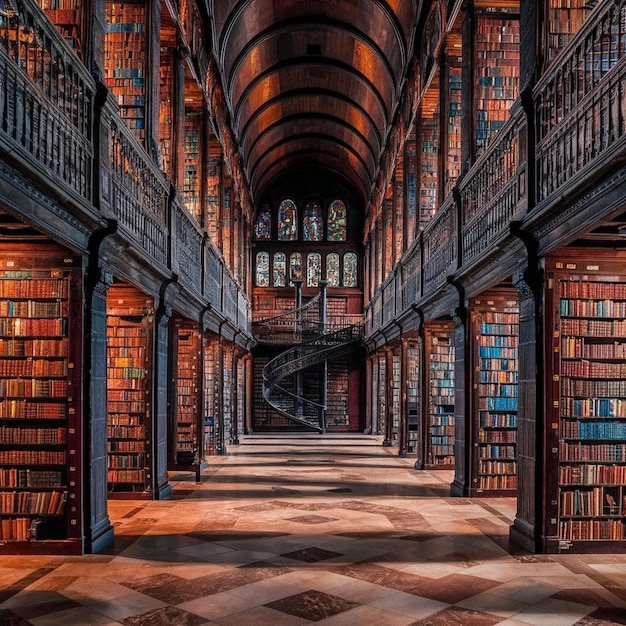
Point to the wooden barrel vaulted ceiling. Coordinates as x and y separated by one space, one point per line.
313 83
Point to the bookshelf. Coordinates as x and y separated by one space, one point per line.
565 18
166 119
66 17
587 411
454 67
129 334
440 437
191 182
496 79
429 157
495 334
186 427
413 395
125 49
40 424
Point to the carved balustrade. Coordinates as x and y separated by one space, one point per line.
493 193
188 249
440 246
139 192
46 99
580 103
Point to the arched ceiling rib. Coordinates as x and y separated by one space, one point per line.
312 82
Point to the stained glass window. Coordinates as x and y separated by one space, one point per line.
262 269
349 269
287 221
312 223
280 269
263 226
313 269
295 266
337 221
332 269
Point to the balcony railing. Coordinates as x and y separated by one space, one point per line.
494 191
580 104
440 246
46 100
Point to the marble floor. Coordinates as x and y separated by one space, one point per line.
335 530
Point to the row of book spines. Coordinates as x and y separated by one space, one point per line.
33 348
487 403
497 376
126 432
32 435
593 327
588 388
440 452
126 372
15 529
578 348
490 352
32 457
593 369
496 451
593 430
500 390
593 407
609 291
126 335
127 461
497 467
499 329
33 388
137 476
133 443
32 367
33 308
34 288
497 436
23 409
25 327
590 474
442 441
570 451
33 502
24 478
591 530
128 384
495 319
591 502
494 420
592 308
497 483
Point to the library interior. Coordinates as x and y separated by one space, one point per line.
376 240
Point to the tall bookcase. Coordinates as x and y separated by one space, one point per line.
125 65
129 357
186 450
495 336
191 183
40 392
440 363
497 65
454 68
586 425
413 398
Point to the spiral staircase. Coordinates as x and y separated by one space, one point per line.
311 342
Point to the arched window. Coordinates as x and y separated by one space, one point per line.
332 269
312 223
295 266
313 269
337 221
262 269
287 221
263 225
280 269
349 269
